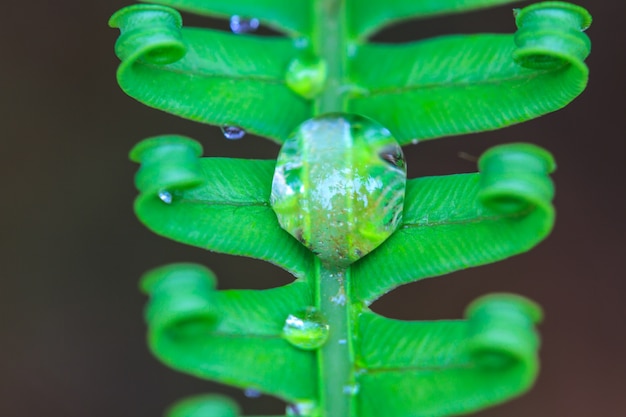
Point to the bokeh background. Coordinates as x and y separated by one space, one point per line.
72 336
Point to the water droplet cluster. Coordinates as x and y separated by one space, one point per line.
240 25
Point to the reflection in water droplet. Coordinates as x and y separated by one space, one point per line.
306 329
241 25
233 132
339 299
165 197
302 408
352 389
251 393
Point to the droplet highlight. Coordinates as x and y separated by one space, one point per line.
306 329
240 25
166 197
233 132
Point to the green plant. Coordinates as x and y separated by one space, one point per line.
353 227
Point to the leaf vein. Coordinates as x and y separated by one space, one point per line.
227 77
472 220
458 84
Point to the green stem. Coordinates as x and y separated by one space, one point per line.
330 44
336 357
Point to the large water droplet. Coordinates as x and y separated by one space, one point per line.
306 329
239 24
339 186
303 409
252 393
233 132
166 197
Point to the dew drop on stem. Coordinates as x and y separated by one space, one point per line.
306 329
239 24
306 76
233 132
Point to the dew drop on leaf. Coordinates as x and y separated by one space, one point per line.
252 393
165 196
306 329
239 24
233 132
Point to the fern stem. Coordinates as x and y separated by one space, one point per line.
335 358
330 44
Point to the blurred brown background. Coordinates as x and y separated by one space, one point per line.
71 328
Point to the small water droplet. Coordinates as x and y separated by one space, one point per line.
252 393
233 132
342 341
302 408
306 76
414 141
352 389
306 329
165 197
239 24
